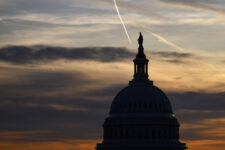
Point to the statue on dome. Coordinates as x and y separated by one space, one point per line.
140 39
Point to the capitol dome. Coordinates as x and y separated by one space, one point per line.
141 99
141 116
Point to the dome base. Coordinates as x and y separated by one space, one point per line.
141 146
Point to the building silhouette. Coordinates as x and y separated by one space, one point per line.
141 116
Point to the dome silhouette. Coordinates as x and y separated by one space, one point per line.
141 116
141 99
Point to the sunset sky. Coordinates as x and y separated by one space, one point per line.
63 61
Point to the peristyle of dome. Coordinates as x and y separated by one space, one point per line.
141 116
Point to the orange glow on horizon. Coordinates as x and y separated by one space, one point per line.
90 145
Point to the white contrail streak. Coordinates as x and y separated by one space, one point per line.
121 20
163 40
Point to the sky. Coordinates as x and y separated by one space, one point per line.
63 62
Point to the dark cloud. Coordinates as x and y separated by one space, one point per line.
176 61
39 83
108 91
61 123
42 54
39 104
194 108
37 107
198 101
172 54
173 57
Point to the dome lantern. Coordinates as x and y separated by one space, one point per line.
140 64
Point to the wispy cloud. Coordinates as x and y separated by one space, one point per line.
194 5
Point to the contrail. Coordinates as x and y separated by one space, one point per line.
160 38
163 40
121 20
